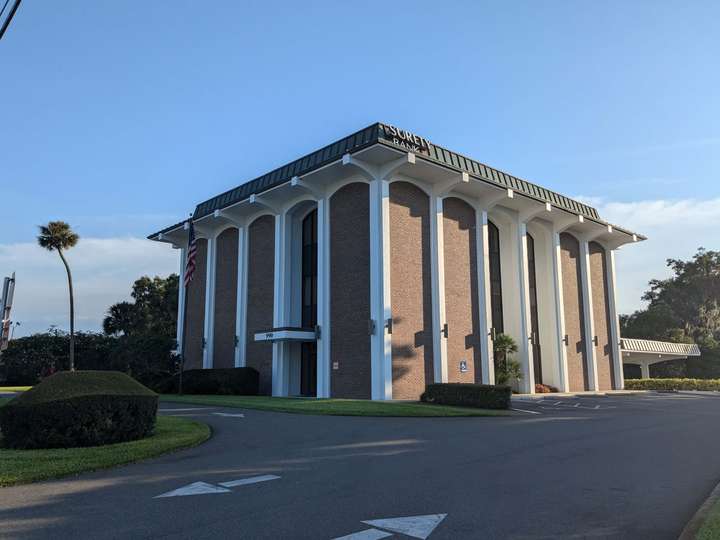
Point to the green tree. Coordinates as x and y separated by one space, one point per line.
683 308
152 312
692 296
58 236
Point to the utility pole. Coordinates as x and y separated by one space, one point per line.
10 16
6 300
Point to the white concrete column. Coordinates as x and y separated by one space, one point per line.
437 271
484 306
614 319
561 341
209 327
645 370
241 305
381 354
280 373
323 298
180 333
588 315
525 352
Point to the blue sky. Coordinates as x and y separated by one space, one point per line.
120 116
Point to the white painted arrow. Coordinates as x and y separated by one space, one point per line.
416 526
251 480
232 415
196 488
367 534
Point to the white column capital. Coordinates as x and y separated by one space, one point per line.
561 341
380 308
588 315
241 305
323 298
525 351
483 281
209 326
437 271
611 285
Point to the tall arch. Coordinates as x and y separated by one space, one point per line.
260 297
226 272
195 310
350 292
601 317
308 301
411 296
496 303
573 310
534 316
461 294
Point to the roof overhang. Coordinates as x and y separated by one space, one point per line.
646 351
408 156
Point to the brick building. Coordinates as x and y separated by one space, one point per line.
382 262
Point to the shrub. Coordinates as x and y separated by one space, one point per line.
673 384
483 396
81 408
544 388
507 370
241 381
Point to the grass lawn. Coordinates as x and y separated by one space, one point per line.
710 529
337 407
25 466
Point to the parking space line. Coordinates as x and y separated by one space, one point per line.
525 411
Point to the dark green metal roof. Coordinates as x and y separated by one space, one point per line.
378 133
304 165
480 170
383 134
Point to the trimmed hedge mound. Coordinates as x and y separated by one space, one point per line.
241 381
484 396
81 408
673 384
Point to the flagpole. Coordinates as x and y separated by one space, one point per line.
185 284
182 345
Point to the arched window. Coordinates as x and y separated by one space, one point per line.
534 319
308 355
496 306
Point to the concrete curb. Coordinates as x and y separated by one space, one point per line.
551 395
696 522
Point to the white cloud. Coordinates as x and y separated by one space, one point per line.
675 229
103 272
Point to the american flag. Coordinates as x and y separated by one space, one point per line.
191 253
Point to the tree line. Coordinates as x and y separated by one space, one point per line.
683 308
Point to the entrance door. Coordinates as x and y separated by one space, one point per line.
308 354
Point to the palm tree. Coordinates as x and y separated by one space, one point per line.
58 236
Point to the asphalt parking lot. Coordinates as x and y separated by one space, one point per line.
592 467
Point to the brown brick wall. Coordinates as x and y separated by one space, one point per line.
225 298
573 309
461 298
195 310
601 317
412 352
260 293
350 292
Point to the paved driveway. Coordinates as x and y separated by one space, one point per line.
602 467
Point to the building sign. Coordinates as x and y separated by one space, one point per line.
410 141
